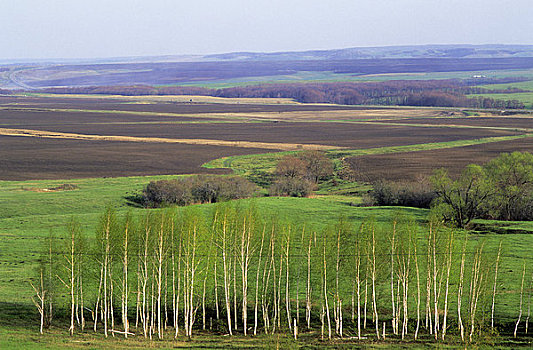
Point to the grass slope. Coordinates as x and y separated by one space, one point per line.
33 211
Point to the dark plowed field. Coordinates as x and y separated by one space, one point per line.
17 118
29 158
336 134
412 165
501 122
40 158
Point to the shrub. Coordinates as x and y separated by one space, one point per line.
196 189
407 194
317 165
297 175
291 186
165 192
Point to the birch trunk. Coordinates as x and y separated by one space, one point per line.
40 303
226 275
415 245
521 298
374 303
125 287
448 268
326 289
308 287
394 319
257 281
494 287
287 294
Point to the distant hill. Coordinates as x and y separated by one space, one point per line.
425 51
249 67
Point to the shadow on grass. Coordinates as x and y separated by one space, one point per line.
18 315
135 200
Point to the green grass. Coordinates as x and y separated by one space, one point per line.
525 85
56 339
30 215
305 76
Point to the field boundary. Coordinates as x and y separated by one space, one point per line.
208 142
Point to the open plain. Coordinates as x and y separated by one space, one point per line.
50 137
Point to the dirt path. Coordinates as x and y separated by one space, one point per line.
211 142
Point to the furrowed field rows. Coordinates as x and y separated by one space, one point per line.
508 122
413 165
25 158
350 135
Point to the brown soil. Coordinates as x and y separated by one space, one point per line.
412 166
32 158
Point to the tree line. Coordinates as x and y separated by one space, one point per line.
431 93
168 273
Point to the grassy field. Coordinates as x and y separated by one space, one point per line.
34 211
525 97
303 76
525 85
174 98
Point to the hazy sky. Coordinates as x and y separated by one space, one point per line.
107 28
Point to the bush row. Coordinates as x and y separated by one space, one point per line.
196 189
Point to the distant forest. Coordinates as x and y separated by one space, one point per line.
430 93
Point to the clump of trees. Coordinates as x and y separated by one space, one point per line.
502 189
297 175
171 272
196 189
407 194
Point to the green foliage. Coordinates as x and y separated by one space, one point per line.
511 176
461 200
502 189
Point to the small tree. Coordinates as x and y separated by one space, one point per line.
511 176
460 201
291 167
293 187
318 166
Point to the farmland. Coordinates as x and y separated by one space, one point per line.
416 165
281 125
382 143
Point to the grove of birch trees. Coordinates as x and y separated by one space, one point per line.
172 273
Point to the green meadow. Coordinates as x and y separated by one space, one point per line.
32 211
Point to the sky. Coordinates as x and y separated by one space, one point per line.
117 28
